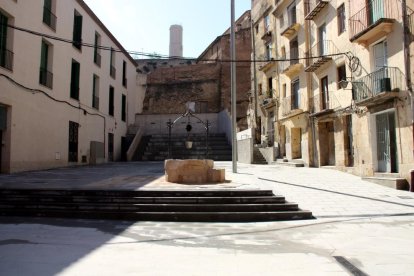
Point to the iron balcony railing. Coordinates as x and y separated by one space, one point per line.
292 103
95 102
288 20
97 58
386 79
49 18
320 53
322 102
372 14
293 57
6 59
112 71
313 7
45 77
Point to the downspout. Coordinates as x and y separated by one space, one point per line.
406 34
254 81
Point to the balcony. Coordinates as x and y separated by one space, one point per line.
289 25
378 87
46 78
320 54
321 106
293 64
267 36
265 63
112 71
314 7
49 18
267 100
374 21
6 59
292 106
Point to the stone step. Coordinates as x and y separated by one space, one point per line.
216 205
291 163
139 193
391 182
150 207
167 216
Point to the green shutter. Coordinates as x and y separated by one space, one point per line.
48 5
44 56
77 31
74 91
3 38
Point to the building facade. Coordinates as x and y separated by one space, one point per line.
68 88
338 77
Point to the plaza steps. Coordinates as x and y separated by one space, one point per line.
390 180
152 205
258 157
155 147
296 163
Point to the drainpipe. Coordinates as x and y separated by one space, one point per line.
406 34
254 80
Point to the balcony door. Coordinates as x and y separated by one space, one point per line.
322 40
381 81
375 10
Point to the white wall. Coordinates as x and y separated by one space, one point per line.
39 125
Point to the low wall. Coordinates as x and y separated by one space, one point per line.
157 124
245 146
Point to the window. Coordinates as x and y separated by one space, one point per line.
123 108
6 56
112 70
95 92
295 94
284 90
97 50
281 21
257 28
266 23
124 71
270 88
341 74
111 101
291 12
341 19
45 76
269 51
77 30
325 93
48 17
74 84
260 89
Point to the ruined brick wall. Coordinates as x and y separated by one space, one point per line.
168 89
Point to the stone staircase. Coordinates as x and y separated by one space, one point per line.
258 157
391 180
156 148
151 205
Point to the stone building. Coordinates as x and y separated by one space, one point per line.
171 84
338 82
62 103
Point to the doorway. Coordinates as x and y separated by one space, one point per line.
323 48
282 141
349 142
73 141
327 143
296 140
386 143
110 147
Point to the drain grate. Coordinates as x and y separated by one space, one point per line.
349 266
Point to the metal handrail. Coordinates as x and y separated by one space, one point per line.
372 13
294 56
385 79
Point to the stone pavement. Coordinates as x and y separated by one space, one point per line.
360 229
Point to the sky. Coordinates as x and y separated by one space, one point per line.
144 25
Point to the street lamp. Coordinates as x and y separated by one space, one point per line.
233 87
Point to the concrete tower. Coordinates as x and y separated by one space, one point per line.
176 41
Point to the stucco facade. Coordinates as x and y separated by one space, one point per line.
352 105
65 103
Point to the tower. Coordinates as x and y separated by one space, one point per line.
176 41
